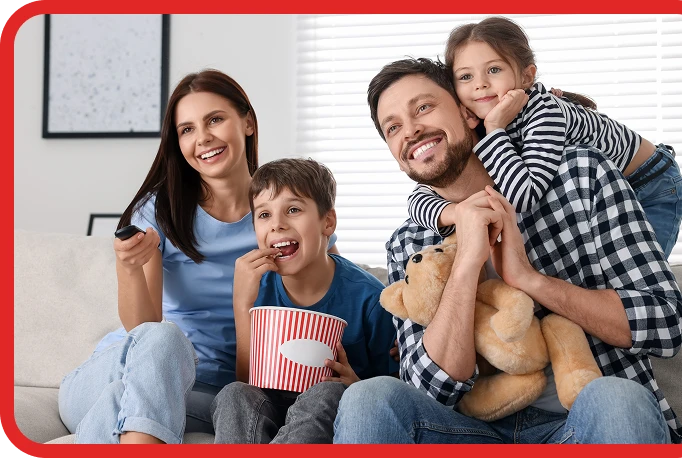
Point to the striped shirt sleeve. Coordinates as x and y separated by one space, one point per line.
523 171
425 207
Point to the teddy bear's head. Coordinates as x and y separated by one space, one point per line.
418 295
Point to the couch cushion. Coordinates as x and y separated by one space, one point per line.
64 303
37 413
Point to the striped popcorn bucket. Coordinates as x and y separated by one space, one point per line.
289 346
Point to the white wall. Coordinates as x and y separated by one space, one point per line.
59 182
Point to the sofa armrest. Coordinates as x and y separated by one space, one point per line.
36 411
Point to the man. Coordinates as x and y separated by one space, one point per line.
585 252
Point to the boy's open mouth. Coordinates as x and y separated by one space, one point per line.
287 248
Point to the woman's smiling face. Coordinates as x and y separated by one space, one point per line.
212 134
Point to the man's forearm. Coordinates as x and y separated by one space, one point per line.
449 338
599 312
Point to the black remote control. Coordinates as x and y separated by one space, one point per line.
126 232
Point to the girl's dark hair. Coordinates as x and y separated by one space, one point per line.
177 186
580 99
508 40
503 35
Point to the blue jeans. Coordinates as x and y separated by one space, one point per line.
660 195
607 410
141 384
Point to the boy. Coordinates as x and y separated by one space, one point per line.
292 204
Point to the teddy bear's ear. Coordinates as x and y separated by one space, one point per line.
450 239
392 300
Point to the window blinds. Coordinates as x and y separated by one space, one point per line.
630 64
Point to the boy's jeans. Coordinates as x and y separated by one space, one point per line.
246 414
659 190
608 410
141 384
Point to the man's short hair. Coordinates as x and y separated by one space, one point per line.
434 70
303 177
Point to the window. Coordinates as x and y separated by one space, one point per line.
630 64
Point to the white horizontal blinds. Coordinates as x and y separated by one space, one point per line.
670 101
630 64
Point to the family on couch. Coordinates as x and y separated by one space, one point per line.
584 250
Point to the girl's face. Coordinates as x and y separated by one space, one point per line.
212 134
482 77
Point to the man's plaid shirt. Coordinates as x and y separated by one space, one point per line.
588 230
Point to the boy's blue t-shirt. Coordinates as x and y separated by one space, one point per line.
354 297
198 297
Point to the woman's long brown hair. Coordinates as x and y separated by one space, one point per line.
178 188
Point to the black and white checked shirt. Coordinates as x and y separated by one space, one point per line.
589 230
523 159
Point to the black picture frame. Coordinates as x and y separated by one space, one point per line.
57 99
103 224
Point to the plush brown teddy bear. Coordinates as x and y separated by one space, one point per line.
513 347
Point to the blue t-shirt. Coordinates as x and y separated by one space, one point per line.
354 297
198 297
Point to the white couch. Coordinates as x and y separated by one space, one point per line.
65 302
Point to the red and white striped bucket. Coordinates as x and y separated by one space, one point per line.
289 346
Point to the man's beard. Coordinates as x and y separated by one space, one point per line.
455 161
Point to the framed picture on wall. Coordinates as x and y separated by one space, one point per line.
103 224
105 75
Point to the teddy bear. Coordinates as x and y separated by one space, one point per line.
513 346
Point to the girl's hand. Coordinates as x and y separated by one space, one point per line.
248 271
135 252
557 92
345 373
504 112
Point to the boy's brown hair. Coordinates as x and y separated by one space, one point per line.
303 177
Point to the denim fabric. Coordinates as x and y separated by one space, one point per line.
608 410
661 198
246 414
141 384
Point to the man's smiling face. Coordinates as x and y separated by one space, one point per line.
424 130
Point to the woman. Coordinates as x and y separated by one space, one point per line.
139 386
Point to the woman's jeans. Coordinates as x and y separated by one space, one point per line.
385 410
658 186
141 383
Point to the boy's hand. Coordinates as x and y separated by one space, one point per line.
248 271
394 352
504 112
346 374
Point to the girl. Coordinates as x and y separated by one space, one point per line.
156 377
526 129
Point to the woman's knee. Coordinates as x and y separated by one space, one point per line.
166 338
